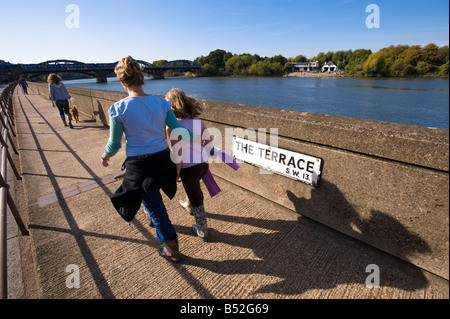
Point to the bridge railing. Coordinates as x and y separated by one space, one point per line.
6 200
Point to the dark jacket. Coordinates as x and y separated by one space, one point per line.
156 171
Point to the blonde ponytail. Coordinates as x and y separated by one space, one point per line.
129 72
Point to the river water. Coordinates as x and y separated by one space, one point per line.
423 102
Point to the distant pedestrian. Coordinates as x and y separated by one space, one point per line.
23 83
60 97
149 168
194 158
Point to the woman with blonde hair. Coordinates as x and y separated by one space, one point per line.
142 118
58 95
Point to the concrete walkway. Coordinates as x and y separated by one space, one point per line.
257 249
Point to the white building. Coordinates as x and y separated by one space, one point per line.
305 67
330 67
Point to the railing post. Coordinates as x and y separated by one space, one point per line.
3 246
7 122
3 230
11 162
13 208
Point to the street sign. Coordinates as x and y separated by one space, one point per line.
302 167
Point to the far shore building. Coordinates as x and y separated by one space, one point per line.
305 67
330 67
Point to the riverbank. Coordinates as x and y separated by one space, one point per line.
339 75
315 75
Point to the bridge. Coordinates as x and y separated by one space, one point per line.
98 70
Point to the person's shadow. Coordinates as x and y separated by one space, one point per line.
100 113
329 206
301 255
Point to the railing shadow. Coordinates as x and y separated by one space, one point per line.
99 279
80 234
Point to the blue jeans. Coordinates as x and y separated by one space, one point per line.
154 204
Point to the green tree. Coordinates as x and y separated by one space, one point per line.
159 62
239 64
263 67
339 58
375 64
412 55
234 65
423 68
347 57
202 60
276 68
444 54
397 68
298 58
443 69
208 70
356 63
399 61
384 62
431 54
216 61
278 59
266 68
321 58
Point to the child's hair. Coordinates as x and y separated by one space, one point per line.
184 106
53 78
129 71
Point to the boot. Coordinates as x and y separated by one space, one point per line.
170 250
200 227
63 120
186 205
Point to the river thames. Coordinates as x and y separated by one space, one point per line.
423 102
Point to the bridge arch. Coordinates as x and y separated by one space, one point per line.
66 65
100 70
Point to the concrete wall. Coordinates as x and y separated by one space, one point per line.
382 183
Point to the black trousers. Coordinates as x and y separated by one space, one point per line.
63 107
190 177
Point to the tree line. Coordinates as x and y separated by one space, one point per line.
393 61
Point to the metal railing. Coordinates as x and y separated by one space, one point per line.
7 128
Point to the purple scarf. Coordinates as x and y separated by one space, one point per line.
208 178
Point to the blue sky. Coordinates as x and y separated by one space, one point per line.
36 31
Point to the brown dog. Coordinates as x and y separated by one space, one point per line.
74 112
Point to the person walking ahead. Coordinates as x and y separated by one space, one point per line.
23 83
58 95
142 117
